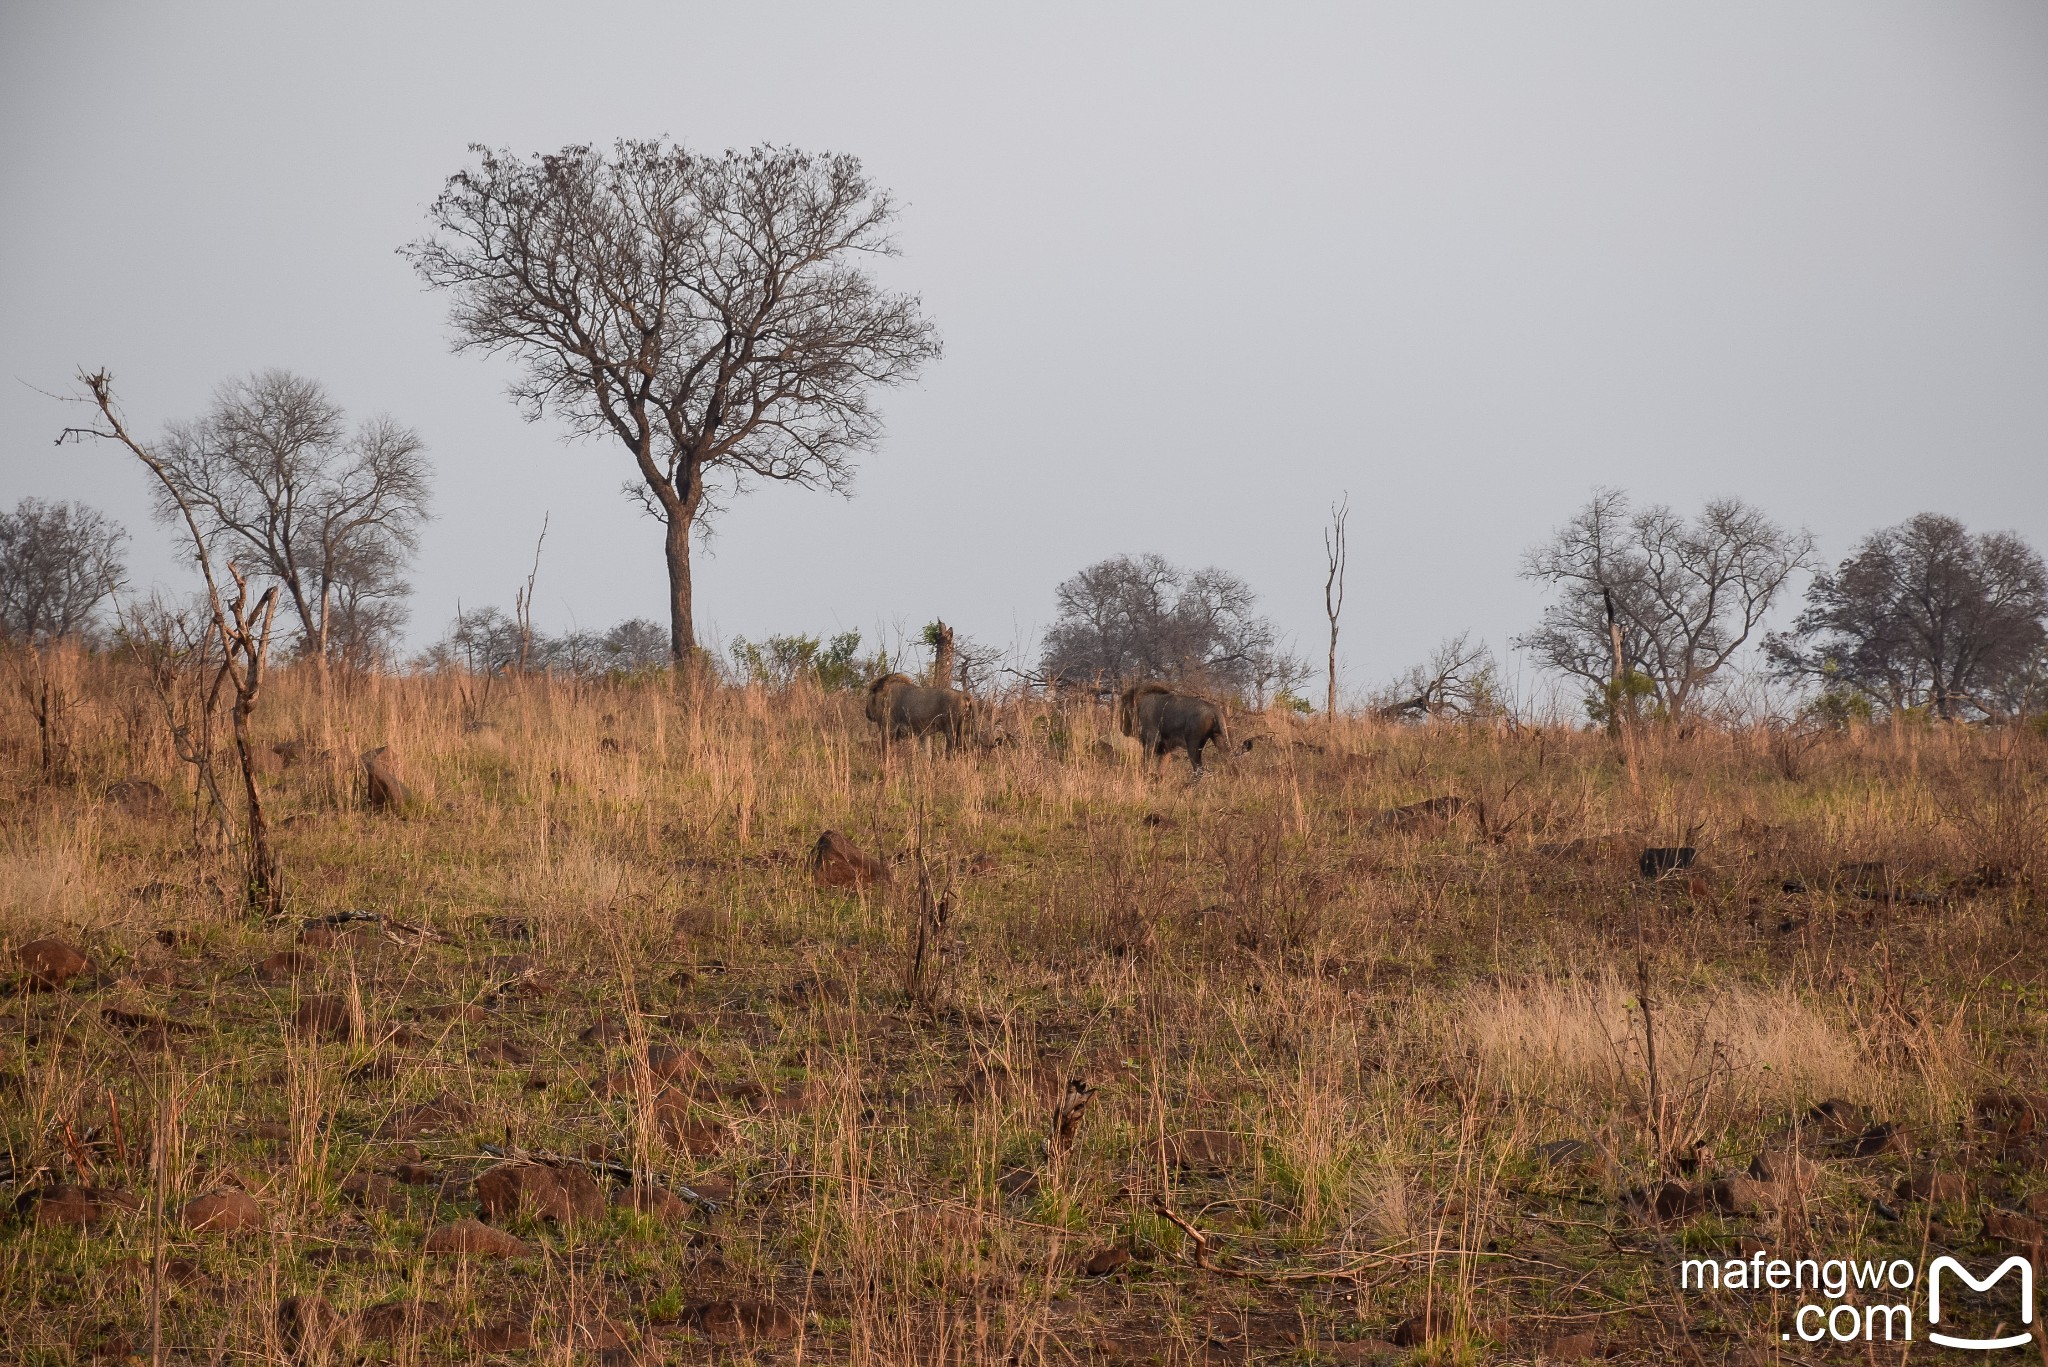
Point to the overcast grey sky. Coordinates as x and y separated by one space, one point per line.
1198 269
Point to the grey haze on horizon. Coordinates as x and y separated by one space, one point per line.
1199 269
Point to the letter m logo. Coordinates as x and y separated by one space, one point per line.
1947 1264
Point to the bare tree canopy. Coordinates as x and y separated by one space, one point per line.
1459 679
57 562
710 313
1687 595
1128 619
1925 614
274 475
486 640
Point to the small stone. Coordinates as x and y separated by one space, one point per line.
326 1018
1935 1185
223 1212
1104 1261
50 963
745 1322
372 1191
663 1207
1421 1328
502 1336
283 966
2009 1226
440 1113
1570 1347
73 1205
310 1327
564 1195
475 1239
837 862
1741 1196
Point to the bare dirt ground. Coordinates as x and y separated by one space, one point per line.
575 1055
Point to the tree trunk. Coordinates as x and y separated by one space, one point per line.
264 896
682 626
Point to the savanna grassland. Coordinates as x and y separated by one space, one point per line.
1229 1070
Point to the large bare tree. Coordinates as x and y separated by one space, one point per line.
274 472
57 562
709 312
1686 595
713 314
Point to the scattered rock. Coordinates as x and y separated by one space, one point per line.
2010 1113
1661 861
223 1212
837 862
394 1320
474 1239
663 1207
667 1063
1581 1158
50 963
2009 1226
1742 1196
1427 816
744 1322
1422 1327
1104 1261
372 1191
1837 1118
1875 1142
310 1327
1934 1185
382 787
73 1205
326 1018
137 797
502 1336
1215 1150
440 1113
284 965
564 1195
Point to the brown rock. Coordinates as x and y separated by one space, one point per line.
1787 1171
394 1320
440 1113
502 1336
837 862
1581 1158
1570 1348
675 1116
474 1239
50 963
1932 1184
311 1328
223 1212
667 1063
1422 1327
1741 1196
1104 1261
2009 1226
137 797
382 787
1838 1118
563 1195
71 1205
326 1018
663 1207
372 1191
744 1322
284 965
1215 1150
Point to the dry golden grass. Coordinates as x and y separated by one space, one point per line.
1329 1044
